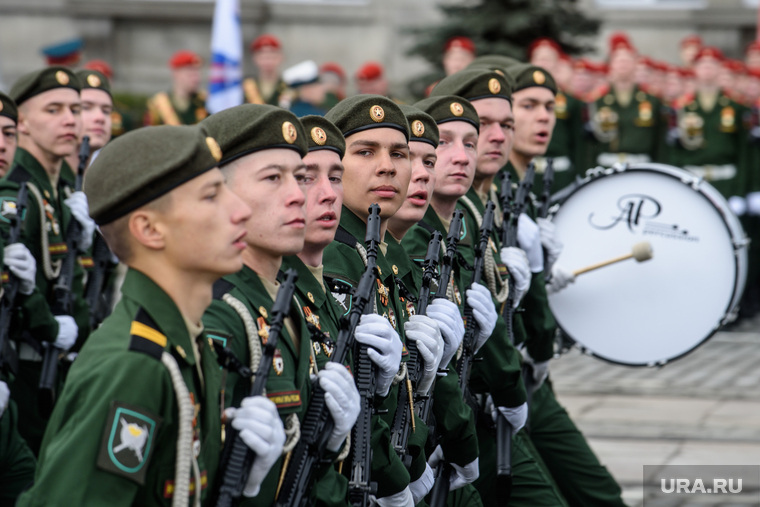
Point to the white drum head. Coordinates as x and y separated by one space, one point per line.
647 313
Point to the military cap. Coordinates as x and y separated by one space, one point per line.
460 42
63 53
95 80
493 62
40 81
450 108
248 128
421 125
323 135
474 84
527 75
185 58
266 40
144 164
364 112
8 107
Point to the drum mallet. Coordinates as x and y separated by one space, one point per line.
641 252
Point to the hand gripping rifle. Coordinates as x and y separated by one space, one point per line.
317 423
237 458
63 299
359 485
403 420
8 358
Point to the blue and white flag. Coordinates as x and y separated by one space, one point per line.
225 88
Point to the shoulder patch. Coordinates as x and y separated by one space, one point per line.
222 287
146 337
342 292
8 208
128 441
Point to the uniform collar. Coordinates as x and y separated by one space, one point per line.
38 174
306 283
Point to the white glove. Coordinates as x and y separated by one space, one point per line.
463 475
422 486
529 239
516 416
484 311
385 348
549 242
449 320
540 370
516 261
753 203
423 331
261 429
5 395
81 212
401 499
342 400
561 278
21 263
67 332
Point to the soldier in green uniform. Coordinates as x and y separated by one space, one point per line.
267 87
49 126
97 105
17 462
573 465
139 420
626 122
121 117
377 170
185 104
709 139
262 147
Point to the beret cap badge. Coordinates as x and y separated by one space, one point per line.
456 109
539 77
62 77
93 80
214 148
418 128
377 113
319 136
494 86
289 132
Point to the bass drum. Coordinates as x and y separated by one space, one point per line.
648 313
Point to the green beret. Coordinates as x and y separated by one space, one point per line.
323 135
498 64
43 80
8 107
364 112
450 108
474 84
247 128
95 80
144 164
421 124
527 76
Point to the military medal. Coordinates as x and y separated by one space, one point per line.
277 362
311 317
727 119
645 114
383 293
560 106
263 330
392 317
410 308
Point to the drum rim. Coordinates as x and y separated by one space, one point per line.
672 172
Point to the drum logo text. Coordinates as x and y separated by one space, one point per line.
632 209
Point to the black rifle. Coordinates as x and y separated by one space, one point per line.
63 298
359 485
98 301
8 358
546 192
317 423
403 420
237 458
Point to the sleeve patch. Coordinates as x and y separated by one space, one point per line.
285 399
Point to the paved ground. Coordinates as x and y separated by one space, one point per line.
703 409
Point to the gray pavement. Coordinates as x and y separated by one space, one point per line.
702 409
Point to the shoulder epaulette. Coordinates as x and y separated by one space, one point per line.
222 287
345 237
145 336
19 175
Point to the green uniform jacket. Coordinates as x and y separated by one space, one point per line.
639 127
288 383
564 148
343 264
162 110
713 144
95 451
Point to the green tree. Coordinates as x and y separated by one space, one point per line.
504 27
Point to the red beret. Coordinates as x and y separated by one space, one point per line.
645 60
754 46
660 66
691 40
543 42
709 51
686 72
620 40
334 68
583 64
754 72
184 58
460 42
100 66
735 66
266 40
370 70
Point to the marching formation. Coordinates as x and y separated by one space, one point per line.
277 308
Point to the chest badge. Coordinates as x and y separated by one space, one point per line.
278 364
263 330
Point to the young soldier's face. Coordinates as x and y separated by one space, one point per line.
188 78
324 196
457 155
267 60
270 183
96 117
421 184
534 120
497 128
377 171
52 121
7 144
204 226
456 59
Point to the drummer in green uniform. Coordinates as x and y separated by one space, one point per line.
139 420
185 104
626 123
262 146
